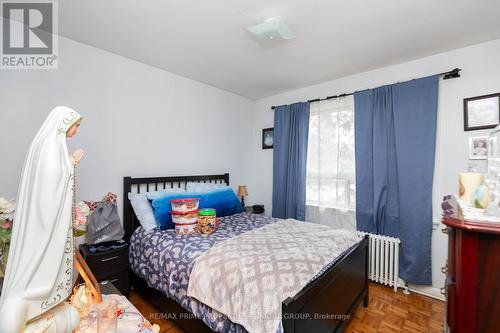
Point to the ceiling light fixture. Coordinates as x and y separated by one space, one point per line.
271 30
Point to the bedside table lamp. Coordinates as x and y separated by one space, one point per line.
242 192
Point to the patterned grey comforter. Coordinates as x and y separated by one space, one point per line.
248 276
165 260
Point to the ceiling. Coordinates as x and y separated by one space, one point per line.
206 40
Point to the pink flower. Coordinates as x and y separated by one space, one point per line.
80 215
6 225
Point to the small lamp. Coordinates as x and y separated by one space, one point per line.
242 192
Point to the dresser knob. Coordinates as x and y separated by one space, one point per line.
443 291
444 230
444 269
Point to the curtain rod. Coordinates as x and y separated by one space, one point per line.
454 73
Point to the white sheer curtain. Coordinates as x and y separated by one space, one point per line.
331 187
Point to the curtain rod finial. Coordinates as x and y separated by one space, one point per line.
454 73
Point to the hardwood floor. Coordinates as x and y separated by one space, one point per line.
396 312
388 312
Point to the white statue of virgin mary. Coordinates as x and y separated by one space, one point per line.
39 270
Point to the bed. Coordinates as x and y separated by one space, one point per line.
339 289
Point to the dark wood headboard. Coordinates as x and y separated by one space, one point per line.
138 185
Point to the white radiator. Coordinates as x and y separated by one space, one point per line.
383 259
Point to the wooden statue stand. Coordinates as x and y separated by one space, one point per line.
86 274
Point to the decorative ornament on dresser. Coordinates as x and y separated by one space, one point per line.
468 182
481 197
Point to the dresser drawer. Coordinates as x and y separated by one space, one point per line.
105 264
120 281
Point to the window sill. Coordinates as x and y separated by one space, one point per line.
343 209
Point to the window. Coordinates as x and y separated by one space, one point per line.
331 180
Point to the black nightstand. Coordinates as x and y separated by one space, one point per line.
255 209
111 265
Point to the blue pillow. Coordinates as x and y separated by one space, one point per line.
223 200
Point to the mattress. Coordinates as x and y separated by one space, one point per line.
165 260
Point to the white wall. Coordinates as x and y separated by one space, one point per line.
137 121
480 75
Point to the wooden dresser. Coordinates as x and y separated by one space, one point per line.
473 276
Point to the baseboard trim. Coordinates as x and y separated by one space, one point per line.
427 291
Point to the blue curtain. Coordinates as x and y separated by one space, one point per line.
395 133
291 128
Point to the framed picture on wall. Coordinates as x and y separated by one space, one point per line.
478 148
481 112
268 138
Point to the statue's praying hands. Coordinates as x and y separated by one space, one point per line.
76 157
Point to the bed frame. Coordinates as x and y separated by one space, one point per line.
325 305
